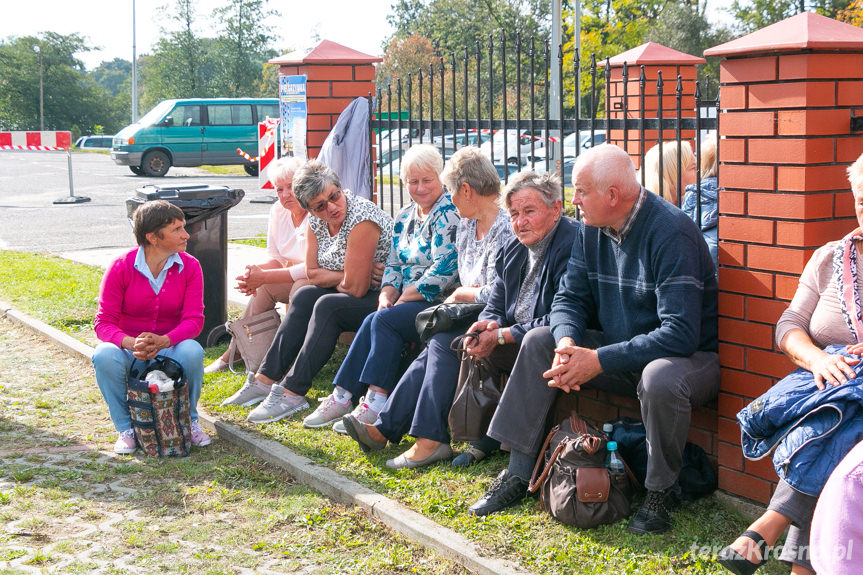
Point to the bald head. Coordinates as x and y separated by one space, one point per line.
605 184
607 166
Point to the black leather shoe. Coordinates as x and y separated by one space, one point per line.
737 563
654 516
505 490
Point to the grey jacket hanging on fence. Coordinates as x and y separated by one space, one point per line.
346 149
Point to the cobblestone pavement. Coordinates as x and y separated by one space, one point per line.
69 505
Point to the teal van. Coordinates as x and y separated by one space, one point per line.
193 132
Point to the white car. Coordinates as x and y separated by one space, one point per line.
94 142
518 144
569 143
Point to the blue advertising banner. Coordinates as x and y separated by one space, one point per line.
292 108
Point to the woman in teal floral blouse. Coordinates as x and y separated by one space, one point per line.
422 270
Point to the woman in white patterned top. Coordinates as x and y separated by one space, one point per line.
348 241
284 272
421 271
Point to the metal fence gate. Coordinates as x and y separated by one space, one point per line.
501 93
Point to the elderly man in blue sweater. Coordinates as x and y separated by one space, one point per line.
635 315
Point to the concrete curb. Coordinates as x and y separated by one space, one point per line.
393 514
65 341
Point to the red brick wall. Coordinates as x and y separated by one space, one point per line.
329 90
786 141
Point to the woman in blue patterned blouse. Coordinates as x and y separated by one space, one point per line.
421 271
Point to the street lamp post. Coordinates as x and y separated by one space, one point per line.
38 50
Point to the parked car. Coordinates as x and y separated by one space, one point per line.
569 143
505 171
94 142
518 145
193 132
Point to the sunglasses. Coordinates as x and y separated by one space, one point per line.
334 197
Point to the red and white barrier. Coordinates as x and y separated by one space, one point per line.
45 142
36 141
246 156
267 136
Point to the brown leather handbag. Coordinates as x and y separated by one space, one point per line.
575 486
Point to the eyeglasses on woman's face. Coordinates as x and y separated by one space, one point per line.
321 206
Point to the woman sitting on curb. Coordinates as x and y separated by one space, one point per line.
529 270
348 240
421 271
278 278
151 302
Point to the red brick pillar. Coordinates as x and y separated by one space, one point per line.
655 58
335 76
787 95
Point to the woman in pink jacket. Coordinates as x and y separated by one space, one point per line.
151 302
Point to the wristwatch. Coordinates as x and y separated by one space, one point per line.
500 339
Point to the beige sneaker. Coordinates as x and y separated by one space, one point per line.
327 413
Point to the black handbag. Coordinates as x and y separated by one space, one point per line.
480 385
446 317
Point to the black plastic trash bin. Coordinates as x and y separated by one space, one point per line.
206 210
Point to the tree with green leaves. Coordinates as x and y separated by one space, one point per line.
243 46
72 100
752 15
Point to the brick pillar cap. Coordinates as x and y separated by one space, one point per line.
805 31
326 52
652 53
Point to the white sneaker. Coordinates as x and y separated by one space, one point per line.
278 405
218 365
125 443
327 413
362 412
252 392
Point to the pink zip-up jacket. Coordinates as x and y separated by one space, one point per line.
128 306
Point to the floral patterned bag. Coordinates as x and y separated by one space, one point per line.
161 420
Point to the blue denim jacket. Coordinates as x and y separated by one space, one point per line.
807 430
709 212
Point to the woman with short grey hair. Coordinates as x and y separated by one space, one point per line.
284 271
317 177
348 241
546 185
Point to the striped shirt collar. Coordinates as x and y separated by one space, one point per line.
619 236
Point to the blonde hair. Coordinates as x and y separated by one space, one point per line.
670 193
708 157
855 175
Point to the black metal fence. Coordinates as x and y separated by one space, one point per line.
501 93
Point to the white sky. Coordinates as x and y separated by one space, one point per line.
107 24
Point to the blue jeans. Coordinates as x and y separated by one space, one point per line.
374 355
112 368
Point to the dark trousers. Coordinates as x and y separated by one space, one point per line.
309 332
374 355
668 389
421 401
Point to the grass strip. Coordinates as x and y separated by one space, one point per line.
523 533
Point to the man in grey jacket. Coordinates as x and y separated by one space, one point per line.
641 272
